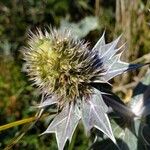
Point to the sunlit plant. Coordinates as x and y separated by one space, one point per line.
64 69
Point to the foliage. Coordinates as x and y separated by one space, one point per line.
88 19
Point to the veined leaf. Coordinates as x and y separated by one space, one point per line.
110 54
94 114
99 44
107 51
129 136
64 124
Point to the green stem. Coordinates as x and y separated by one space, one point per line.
20 122
71 146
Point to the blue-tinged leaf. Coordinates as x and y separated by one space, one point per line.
94 114
110 49
110 54
118 106
99 44
115 66
130 135
64 124
107 51
125 138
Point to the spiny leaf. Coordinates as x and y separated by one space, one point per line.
129 136
107 51
64 124
115 66
100 43
110 54
94 115
125 138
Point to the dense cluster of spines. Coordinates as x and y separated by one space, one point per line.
61 65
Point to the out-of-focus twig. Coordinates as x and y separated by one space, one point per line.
97 7
144 58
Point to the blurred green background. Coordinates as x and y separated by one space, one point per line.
88 19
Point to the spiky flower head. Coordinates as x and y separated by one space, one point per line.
64 68
61 65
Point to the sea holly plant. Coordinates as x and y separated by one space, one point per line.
64 69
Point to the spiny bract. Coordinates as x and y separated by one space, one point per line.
64 69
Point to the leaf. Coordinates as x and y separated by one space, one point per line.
107 51
99 44
110 55
129 136
64 124
94 114
125 138
118 106
129 139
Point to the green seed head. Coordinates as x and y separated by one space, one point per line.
59 64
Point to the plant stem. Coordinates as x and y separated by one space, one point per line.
71 146
20 122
